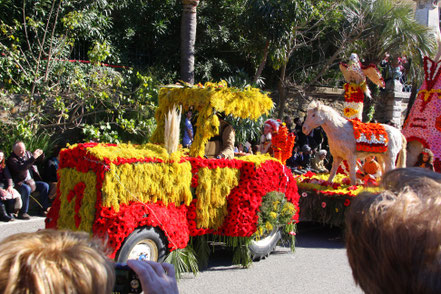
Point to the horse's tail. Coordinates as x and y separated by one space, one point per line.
402 154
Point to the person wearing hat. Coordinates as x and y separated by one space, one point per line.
318 162
269 127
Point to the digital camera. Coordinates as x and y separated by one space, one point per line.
126 280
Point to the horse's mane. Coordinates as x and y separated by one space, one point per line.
328 112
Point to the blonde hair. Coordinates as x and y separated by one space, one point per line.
50 261
393 239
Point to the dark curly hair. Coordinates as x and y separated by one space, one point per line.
420 157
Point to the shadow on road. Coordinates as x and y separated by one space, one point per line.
309 235
314 235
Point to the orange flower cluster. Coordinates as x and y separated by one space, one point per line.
372 132
282 143
353 93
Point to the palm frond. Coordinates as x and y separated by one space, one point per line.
184 260
242 256
202 249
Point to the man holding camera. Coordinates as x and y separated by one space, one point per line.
27 178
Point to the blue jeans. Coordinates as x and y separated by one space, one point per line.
25 192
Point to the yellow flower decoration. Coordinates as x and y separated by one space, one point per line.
248 103
214 187
68 178
343 189
147 182
350 112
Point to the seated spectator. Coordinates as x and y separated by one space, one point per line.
27 178
425 159
50 172
294 161
240 150
50 261
306 157
10 198
318 162
393 238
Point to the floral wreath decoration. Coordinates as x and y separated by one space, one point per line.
92 198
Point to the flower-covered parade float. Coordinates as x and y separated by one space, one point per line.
326 202
423 125
150 203
324 197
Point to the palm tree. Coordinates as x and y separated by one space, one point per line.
373 27
390 27
188 38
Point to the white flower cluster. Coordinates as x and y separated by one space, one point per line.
381 140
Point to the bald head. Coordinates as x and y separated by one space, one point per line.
19 149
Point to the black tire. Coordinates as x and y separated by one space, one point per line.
262 248
144 243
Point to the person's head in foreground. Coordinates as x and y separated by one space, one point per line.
393 238
50 261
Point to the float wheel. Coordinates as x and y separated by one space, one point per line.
146 243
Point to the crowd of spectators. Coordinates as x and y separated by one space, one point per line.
20 179
310 152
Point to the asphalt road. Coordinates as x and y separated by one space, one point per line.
20 226
319 265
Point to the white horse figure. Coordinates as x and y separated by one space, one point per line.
342 143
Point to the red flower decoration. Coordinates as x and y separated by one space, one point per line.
177 223
347 202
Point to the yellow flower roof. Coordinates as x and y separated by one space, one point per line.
248 103
207 99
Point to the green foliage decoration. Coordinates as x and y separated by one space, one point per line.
184 260
276 212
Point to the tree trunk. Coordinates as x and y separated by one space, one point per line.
188 38
262 63
282 91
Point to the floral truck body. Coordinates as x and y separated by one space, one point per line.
111 190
